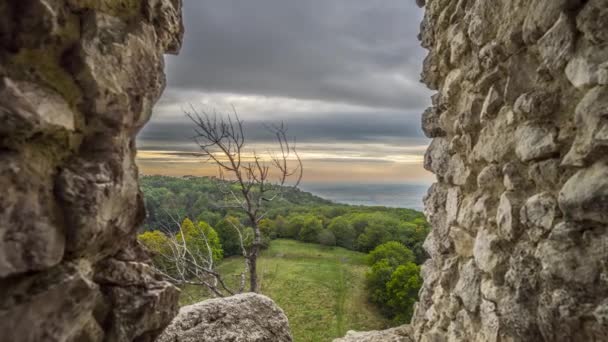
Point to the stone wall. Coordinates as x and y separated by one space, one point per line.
519 246
78 79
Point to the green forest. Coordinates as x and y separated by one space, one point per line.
390 238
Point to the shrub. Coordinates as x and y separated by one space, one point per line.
327 238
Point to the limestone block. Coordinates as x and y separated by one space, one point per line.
557 45
467 287
592 21
463 242
486 252
539 211
241 318
430 123
535 142
489 177
436 158
585 195
507 215
592 121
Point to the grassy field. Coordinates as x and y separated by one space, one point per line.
320 288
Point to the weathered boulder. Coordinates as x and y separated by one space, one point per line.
246 317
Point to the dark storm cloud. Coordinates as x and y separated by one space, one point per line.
396 127
352 51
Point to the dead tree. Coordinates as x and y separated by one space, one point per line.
183 263
221 139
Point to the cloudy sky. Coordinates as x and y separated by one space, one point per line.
343 75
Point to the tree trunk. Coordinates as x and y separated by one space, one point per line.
253 259
253 275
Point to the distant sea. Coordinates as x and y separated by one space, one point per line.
385 194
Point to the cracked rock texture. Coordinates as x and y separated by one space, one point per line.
519 246
78 79
246 317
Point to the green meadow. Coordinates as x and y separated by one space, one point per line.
321 289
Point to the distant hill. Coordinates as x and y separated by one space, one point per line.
202 198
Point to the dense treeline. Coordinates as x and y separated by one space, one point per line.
393 237
297 215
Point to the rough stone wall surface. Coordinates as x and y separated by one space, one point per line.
78 79
519 246
246 317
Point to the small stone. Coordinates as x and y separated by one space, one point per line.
436 158
490 55
492 292
591 120
430 123
27 106
490 105
458 47
461 327
587 67
436 246
463 242
478 31
540 16
592 19
539 211
467 287
451 86
487 256
535 142
569 255
484 210
489 322
452 204
435 208
536 104
488 177
460 144
465 212
601 313
458 173
585 195
507 215
556 45
495 141
546 173
513 179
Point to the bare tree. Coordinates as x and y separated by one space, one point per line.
182 262
221 139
